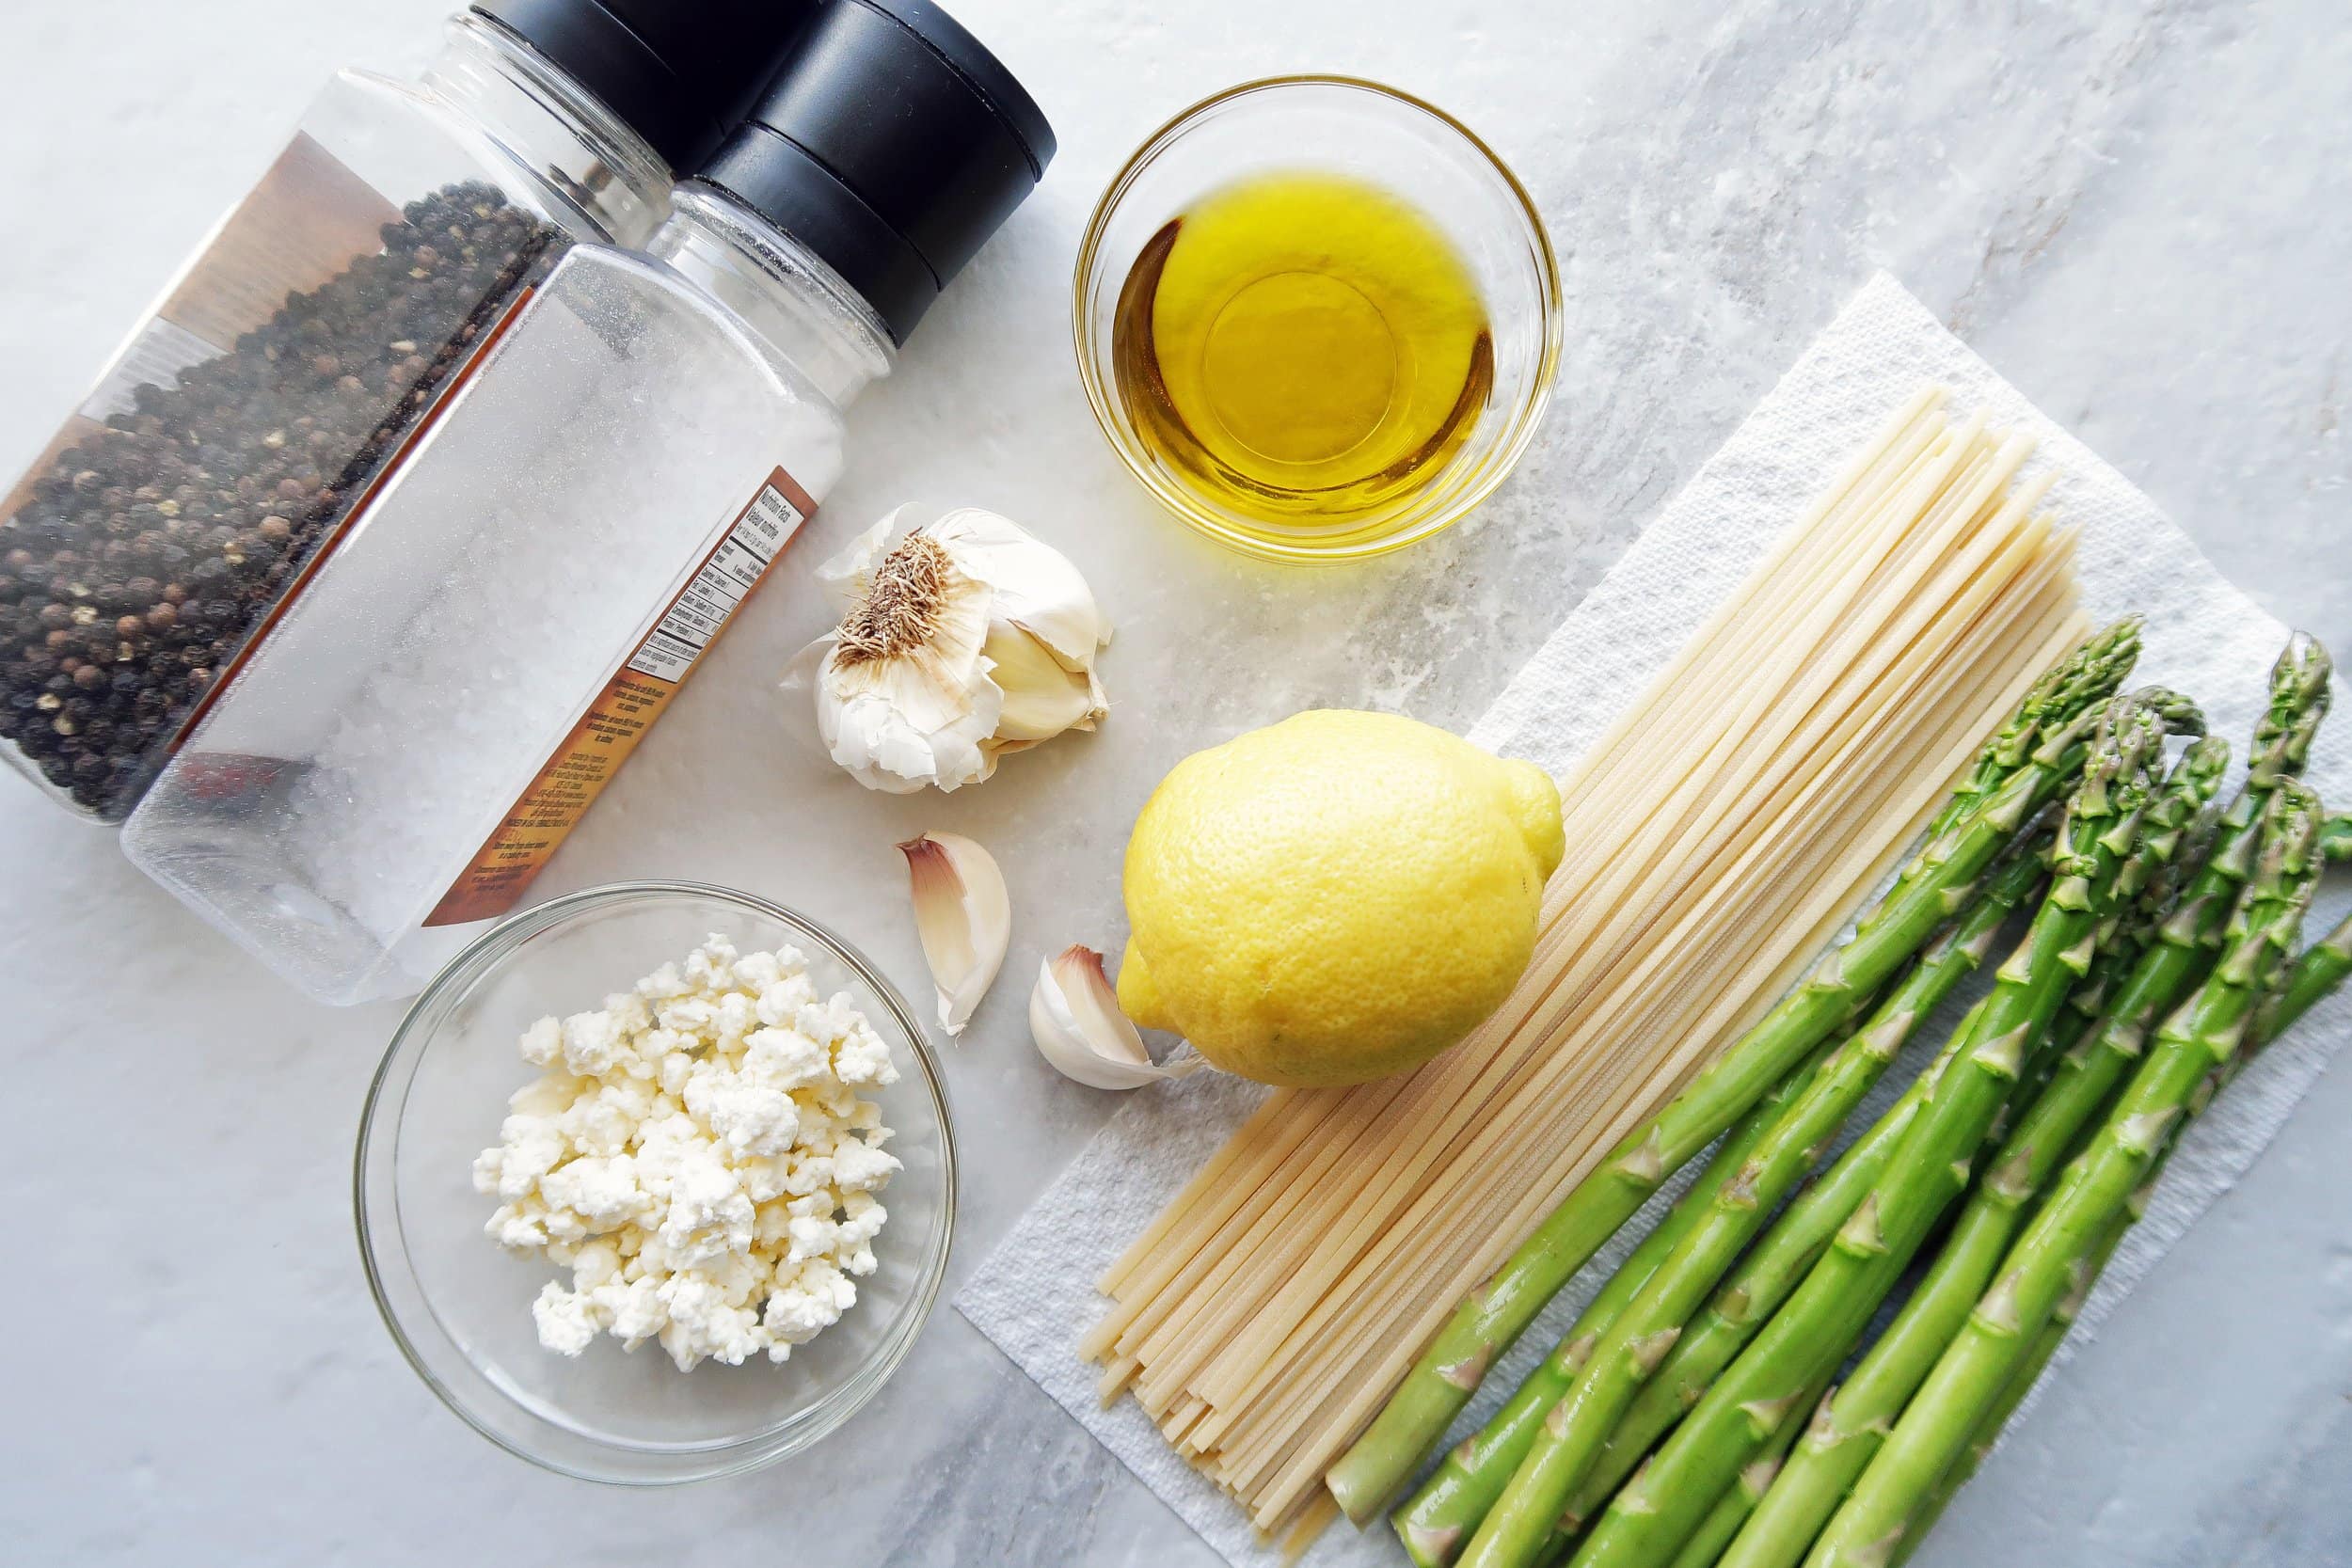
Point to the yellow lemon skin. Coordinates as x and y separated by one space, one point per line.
1335 897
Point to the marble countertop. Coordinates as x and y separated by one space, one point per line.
2142 213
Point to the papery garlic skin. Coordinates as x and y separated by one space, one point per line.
965 641
1075 1020
963 916
1038 589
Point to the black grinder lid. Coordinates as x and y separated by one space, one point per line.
892 144
678 73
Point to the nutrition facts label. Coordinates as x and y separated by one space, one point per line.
711 597
494 881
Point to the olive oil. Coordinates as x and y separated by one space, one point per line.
1302 347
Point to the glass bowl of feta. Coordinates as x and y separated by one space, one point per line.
656 1183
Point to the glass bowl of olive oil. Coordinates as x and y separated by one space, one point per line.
1318 317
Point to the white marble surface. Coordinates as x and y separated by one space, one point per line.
2141 213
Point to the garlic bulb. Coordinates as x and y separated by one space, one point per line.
964 917
1074 1018
967 639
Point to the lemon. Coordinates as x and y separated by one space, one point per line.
1335 897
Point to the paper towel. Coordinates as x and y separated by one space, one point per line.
1036 1296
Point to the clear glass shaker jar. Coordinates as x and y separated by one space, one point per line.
523 596
318 329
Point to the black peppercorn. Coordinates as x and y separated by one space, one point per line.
158 542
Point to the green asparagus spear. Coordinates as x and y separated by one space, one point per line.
1722 1524
1452 1366
2201 1037
2326 963
1648 1521
1819 1474
2153 878
1460 1489
2184 945
2088 1071
1989 1430
2320 970
2073 686
1834 1450
1778 1262
1450 1506
1747 1300
1581 1421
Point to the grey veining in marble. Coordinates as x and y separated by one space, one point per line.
2142 213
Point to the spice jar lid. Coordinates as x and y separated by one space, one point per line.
892 144
678 73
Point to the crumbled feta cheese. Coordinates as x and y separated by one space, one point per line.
812 1236
566 1320
602 1120
813 1299
696 1154
593 1043
781 1001
528 1148
602 1191
861 1057
733 1016
861 1219
753 1118
597 1262
519 1226
861 1167
662 982
542 1042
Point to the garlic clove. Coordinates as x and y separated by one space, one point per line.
1036 585
1041 698
1075 1020
964 917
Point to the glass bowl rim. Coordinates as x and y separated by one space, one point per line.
1527 416
475 963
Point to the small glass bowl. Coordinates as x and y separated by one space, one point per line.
459 1306
1336 124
